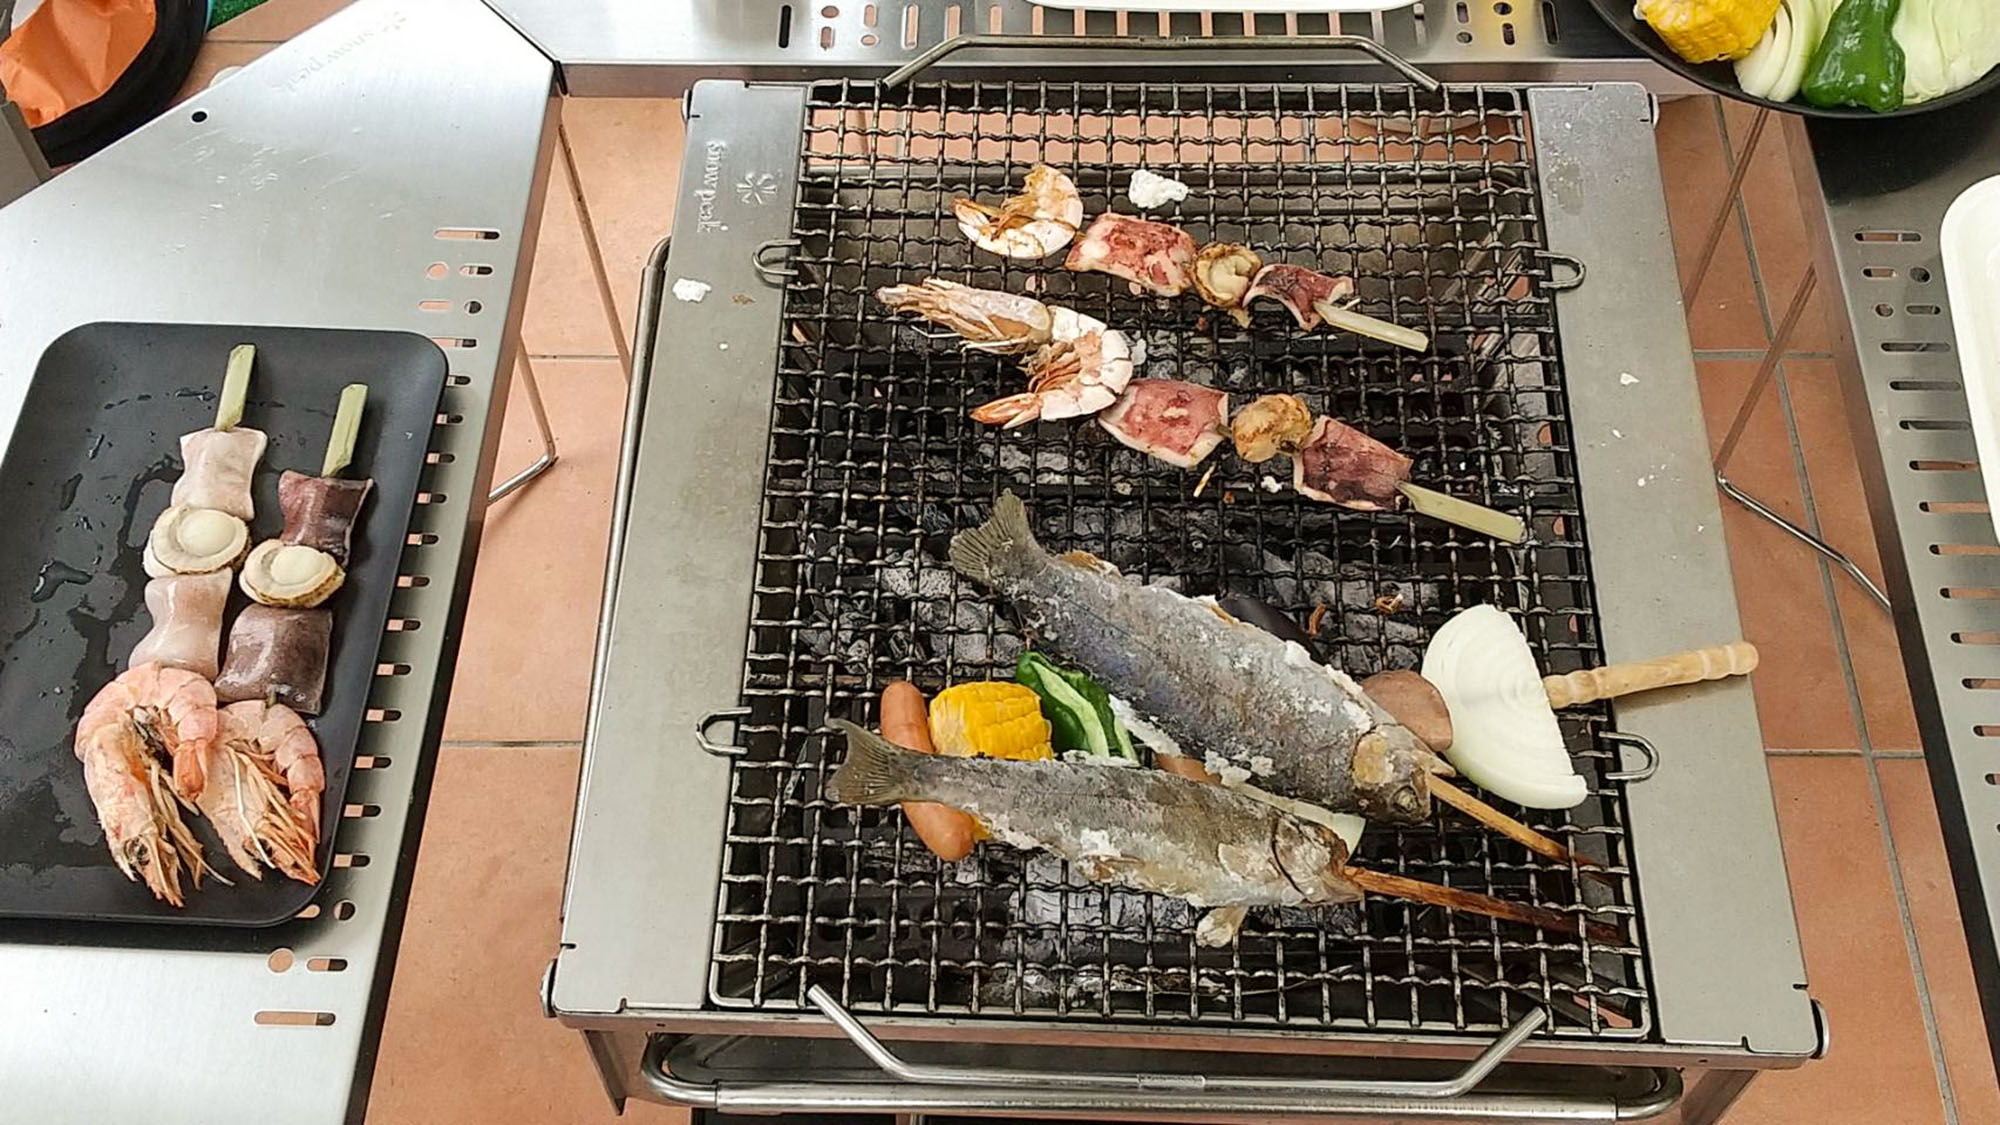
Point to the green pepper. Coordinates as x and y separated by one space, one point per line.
1858 61
1078 710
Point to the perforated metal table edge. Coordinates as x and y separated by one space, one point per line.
625 48
296 1008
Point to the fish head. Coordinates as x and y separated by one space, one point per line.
1388 775
1313 860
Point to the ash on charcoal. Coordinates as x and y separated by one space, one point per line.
905 579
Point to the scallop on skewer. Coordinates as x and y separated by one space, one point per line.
278 649
1335 463
206 525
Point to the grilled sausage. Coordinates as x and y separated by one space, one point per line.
946 831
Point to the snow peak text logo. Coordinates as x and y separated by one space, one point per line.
705 195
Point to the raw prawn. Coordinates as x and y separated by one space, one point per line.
149 708
170 710
990 320
265 781
1034 224
1080 372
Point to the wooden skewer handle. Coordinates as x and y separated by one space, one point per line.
1613 680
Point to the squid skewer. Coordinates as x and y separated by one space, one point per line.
278 649
206 525
1338 464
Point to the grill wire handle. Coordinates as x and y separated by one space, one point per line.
1368 46
1461 1083
992 1089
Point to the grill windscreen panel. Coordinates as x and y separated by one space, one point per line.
1428 201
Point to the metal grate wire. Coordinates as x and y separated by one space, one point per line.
1429 202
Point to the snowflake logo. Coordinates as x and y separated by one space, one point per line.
757 188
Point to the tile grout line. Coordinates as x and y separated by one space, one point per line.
509 744
1926 1008
1834 752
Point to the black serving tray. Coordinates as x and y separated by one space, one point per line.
91 464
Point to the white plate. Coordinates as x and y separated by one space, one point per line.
1972 278
1231 5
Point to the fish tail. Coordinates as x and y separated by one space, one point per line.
875 772
982 553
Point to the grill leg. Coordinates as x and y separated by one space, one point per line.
1772 358
541 464
1711 1093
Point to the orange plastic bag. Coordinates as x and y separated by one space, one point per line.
69 52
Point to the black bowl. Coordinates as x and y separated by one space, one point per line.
1721 76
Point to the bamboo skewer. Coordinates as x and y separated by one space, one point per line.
1471 902
1464 513
235 386
1513 829
346 427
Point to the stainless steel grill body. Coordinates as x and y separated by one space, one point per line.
797 461
1429 203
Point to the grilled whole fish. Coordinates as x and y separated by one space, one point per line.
1144 829
1249 705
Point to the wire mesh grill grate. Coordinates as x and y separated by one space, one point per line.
1429 203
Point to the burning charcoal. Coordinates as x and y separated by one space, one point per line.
1344 919
1359 660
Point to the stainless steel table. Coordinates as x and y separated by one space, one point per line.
1885 191
317 187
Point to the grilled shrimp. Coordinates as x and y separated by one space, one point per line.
264 787
1034 224
168 709
1080 372
990 321
150 708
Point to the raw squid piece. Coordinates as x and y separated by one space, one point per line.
187 622
1179 423
1341 465
1299 289
320 512
220 464
1154 256
277 654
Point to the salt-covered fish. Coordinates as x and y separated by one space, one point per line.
187 622
1144 829
1248 704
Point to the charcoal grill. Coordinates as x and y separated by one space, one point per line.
797 460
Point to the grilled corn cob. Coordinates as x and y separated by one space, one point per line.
990 720
1706 30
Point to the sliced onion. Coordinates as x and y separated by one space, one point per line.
1505 737
1760 71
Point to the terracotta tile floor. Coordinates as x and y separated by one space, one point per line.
464 1040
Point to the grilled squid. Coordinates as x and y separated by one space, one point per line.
1156 257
